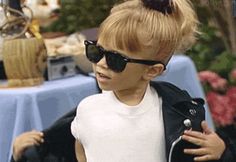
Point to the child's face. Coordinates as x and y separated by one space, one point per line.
130 78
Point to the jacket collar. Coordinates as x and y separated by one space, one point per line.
170 93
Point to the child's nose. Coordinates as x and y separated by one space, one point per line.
102 63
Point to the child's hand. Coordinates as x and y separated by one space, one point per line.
25 140
211 145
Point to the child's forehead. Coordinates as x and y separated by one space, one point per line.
112 46
118 40
108 44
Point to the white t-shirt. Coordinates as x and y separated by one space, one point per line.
111 131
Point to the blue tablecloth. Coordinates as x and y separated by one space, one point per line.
24 109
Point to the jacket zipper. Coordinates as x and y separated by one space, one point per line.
173 146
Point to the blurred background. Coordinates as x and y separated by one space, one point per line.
76 15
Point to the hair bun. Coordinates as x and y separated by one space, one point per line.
163 6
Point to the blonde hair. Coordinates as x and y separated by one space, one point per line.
132 27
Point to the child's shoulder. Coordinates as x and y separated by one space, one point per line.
95 100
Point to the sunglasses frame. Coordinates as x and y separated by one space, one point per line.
125 58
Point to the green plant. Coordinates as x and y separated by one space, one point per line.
77 15
219 14
212 51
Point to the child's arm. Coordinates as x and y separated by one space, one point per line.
25 140
79 152
211 145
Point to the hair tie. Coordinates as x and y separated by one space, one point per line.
163 6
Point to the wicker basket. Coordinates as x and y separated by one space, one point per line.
24 61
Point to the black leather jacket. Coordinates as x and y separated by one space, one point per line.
180 112
58 146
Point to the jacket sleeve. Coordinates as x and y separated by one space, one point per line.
58 143
12 159
229 154
20 160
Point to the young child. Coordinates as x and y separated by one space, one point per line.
137 120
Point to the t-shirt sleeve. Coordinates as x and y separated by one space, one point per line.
75 125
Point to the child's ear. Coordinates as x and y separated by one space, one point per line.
153 71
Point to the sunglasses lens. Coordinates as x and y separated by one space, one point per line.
115 62
93 53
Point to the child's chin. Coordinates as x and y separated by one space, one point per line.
104 88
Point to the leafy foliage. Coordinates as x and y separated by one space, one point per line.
211 52
81 14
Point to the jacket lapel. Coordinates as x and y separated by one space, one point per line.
174 111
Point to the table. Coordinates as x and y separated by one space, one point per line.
24 109
182 72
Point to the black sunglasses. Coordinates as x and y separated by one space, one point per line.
115 61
